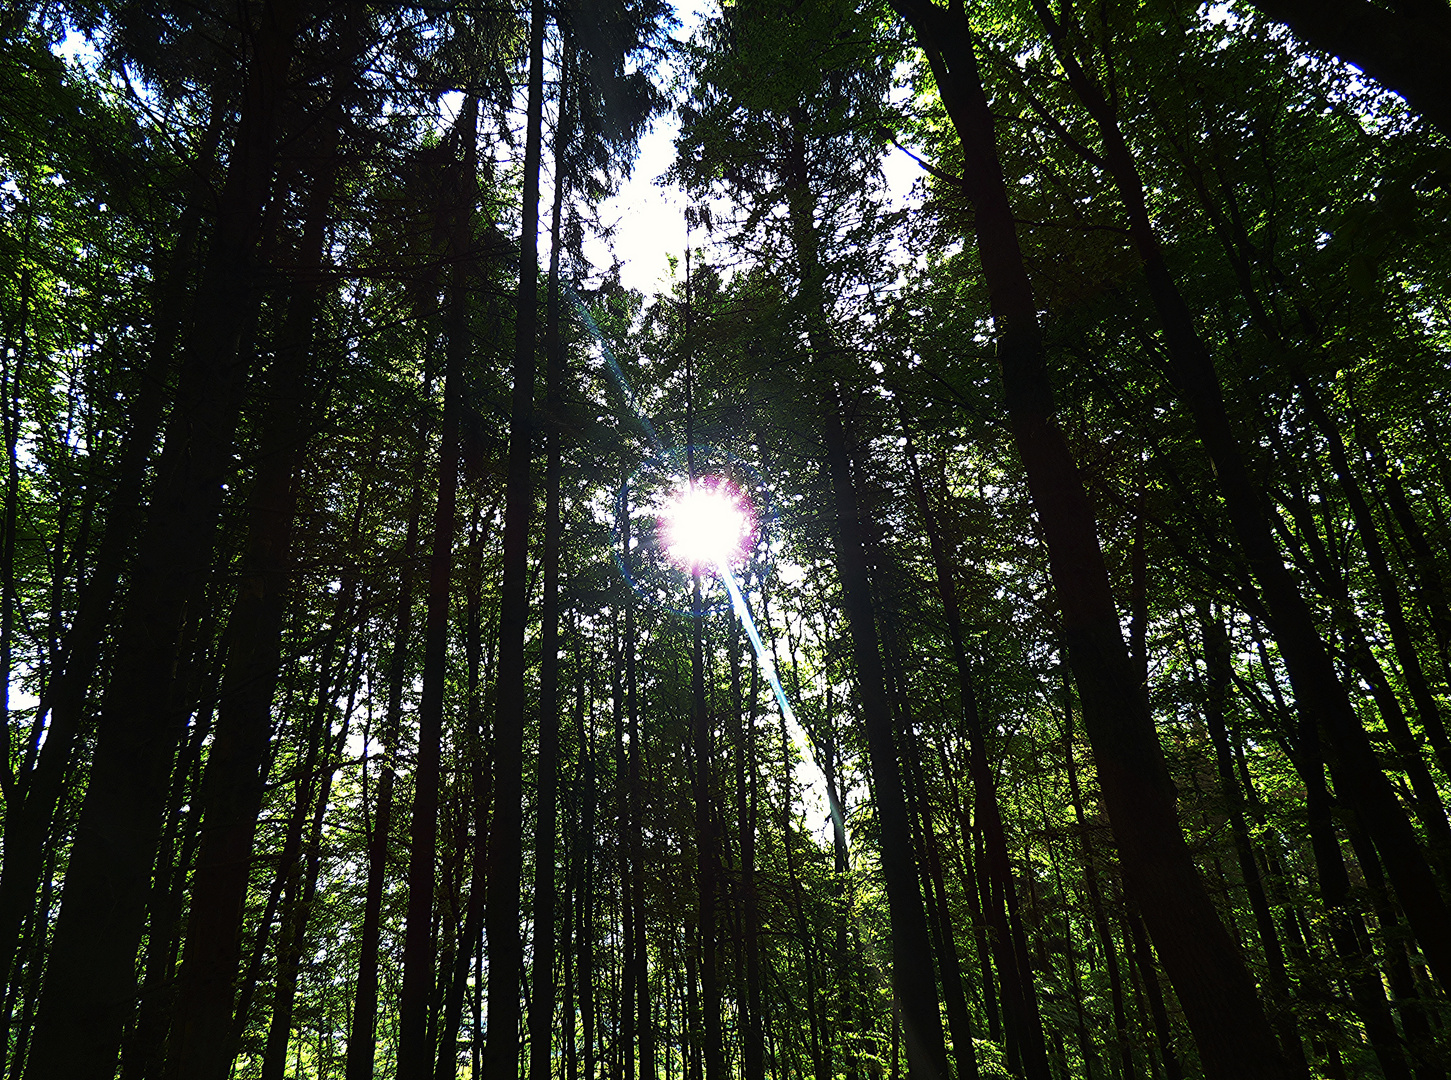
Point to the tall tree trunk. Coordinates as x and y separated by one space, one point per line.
1216 661
415 1049
1319 692
1134 931
90 982
707 843
1432 587
31 808
935 892
753 1062
585 861
303 867
1002 908
1404 644
1097 914
479 781
143 1050
639 960
506 857
926 1052
363 1022
546 819
1426 1062
233 784
1218 995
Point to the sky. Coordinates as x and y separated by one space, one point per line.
649 216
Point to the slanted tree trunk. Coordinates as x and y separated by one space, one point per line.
1319 693
926 1052
1425 703
1420 1040
1097 914
143 1050
935 891
363 1022
303 866
1218 995
1143 960
233 783
1431 586
30 809
1017 982
1216 658
90 981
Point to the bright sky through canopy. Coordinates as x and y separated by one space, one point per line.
706 524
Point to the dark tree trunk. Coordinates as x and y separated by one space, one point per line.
144 1048
1217 992
90 982
1097 913
1002 907
706 841
1395 619
30 809
926 1053
940 915
1216 662
1143 960
233 783
363 1023
1426 1062
302 868
1319 692
585 863
639 959
1432 587
753 1061
415 1049
546 821
479 782
506 856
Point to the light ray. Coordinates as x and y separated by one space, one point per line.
721 567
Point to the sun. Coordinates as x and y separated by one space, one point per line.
705 524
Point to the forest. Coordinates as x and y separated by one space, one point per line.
998 626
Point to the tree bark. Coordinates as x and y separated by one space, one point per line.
479 780
501 918
30 810
926 1052
1216 662
302 867
546 820
1218 995
233 783
1319 692
415 1049
90 982
1002 907
363 1022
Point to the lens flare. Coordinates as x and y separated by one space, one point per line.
706 524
